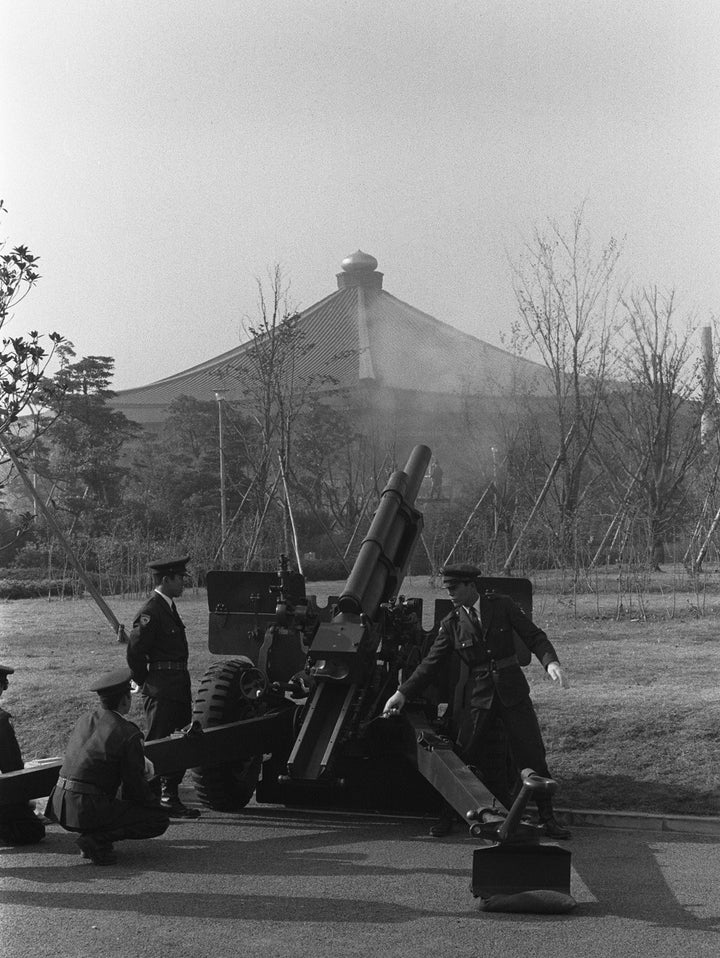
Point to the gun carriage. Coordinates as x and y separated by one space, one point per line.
295 716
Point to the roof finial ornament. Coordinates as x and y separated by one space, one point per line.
358 262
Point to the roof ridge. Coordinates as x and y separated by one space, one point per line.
233 353
459 332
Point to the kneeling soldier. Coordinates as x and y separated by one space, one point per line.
19 825
105 753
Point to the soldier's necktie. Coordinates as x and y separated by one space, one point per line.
175 611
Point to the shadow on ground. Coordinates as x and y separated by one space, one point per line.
607 793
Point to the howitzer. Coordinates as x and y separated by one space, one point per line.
295 717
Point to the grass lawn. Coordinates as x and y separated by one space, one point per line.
638 728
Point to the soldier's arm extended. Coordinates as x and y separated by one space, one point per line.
537 641
426 671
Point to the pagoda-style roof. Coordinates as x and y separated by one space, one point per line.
360 334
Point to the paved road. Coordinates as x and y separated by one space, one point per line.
278 883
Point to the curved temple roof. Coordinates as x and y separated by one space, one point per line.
359 333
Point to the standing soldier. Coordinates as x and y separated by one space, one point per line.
436 479
19 825
476 639
157 654
105 753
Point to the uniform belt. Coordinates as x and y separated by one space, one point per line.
495 665
73 785
505 663
167 666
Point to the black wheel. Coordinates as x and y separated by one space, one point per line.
228 692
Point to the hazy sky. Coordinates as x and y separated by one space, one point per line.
160 154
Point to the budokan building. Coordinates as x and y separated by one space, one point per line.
403 375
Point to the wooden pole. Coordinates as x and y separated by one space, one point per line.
704 548
362 513
539 501
261 520
469 520
290 514
117 628
619 515
232 521
322 525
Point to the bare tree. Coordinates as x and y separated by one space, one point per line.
652 418
567 297
276 386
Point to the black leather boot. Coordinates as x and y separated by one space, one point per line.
170 801
550 825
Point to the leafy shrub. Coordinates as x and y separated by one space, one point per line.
33 588
32 556
30 573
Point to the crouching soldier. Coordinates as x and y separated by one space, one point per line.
105 753
19 825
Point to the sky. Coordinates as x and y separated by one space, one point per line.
162 155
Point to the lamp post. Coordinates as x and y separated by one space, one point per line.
220 396
493 450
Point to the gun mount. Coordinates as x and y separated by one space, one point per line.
295 717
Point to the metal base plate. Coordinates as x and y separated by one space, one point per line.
510 869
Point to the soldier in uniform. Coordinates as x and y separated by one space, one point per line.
157 654
105 753
489 686
19 825
436 479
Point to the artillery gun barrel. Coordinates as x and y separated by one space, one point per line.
386 549
342 652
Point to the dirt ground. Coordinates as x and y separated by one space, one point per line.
636 729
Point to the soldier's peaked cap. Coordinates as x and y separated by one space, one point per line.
460 572
112 681
6 670
174 566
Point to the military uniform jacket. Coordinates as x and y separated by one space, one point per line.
18 823
105 752
481 659
10 755
159 636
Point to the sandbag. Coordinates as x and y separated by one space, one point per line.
538 902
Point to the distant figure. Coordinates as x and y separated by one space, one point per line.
436 479
157 654
19 825
105 753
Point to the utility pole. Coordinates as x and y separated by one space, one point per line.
220 397
493 450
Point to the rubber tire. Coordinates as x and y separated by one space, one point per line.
225 788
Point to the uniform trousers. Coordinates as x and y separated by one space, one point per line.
524 738
19 825
134 822
163 717
106 819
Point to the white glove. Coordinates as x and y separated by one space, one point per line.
394 703
557 674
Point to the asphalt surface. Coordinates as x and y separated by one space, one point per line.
274 882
